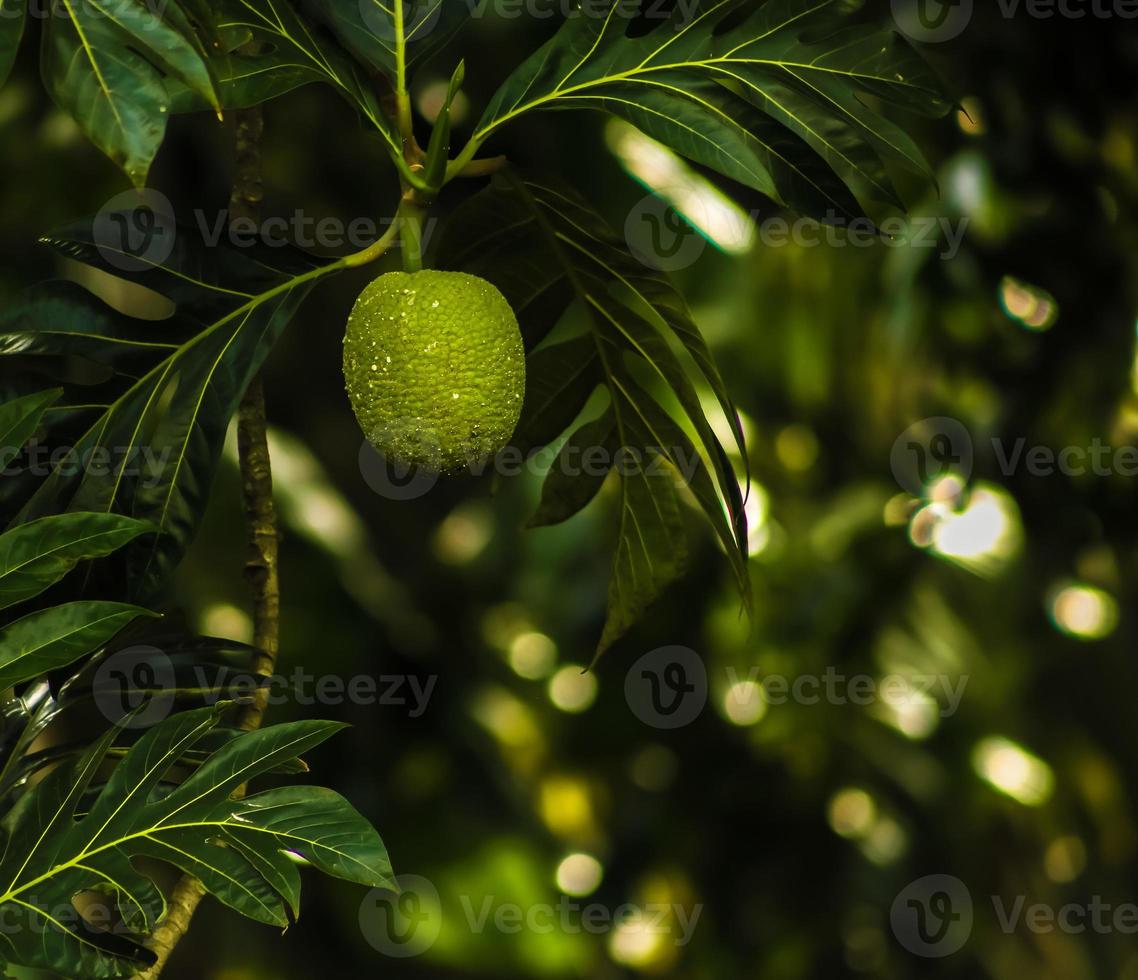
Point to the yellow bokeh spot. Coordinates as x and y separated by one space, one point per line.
464 534
579 874
572 689
566 807
743 703
979 532
852 812
1083 611
1028 305
634 944
1013 770
797 447
532 655
1065 859
228 620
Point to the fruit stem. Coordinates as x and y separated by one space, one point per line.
409 220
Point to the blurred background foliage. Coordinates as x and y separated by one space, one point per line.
794 826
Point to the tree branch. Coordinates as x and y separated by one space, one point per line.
264 539
260 516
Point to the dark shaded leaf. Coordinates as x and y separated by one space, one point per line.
235 847
268 49
370 30
578 472
635 314
103 62
13 13
159 435
52 638
37 555
19 420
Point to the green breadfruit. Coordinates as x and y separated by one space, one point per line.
435 368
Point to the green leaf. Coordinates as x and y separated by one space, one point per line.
371 31
37 555
576 476
19 420
438 149
636 317
13 13
162 430
651 546
179 672
52 638
103 62
268 49
237 847
771 95
559 380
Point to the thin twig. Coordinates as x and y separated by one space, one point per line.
261 564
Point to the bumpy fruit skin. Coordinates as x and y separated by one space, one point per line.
435 368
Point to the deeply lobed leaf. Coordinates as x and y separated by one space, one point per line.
534 238
777 95
238 847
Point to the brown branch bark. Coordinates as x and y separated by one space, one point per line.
260 517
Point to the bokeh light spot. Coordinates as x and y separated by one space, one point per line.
572 689
1013 770
1084 612
579 874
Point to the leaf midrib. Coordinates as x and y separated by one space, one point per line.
634 75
